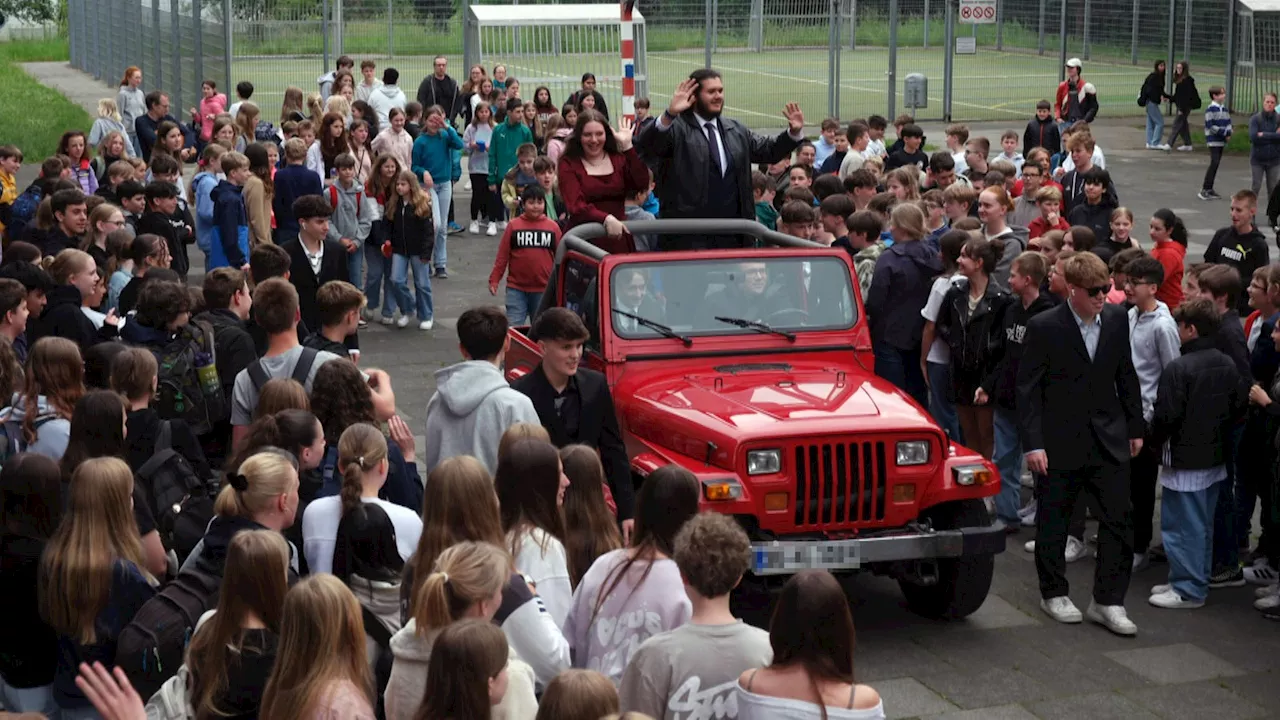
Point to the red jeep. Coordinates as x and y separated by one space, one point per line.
753 369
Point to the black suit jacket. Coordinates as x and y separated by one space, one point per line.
597 428
1080 412
333 266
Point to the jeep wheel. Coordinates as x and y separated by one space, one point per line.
963 582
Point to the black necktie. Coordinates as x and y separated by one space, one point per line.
714 143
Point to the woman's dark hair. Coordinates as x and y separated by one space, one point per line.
289 430
1186 71
1155 67
11 376
18 251
573 145
260 165
97 430
986 252
366 114
97 364
340 398
366 546
31 488
812 627
949 246
528 481
666 501
1177 230
548 106
590 529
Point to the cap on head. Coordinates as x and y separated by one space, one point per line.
1075 63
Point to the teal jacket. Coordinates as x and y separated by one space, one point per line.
434 154
506 139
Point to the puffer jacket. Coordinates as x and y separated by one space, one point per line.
1206 383
899 288
410 234
974 337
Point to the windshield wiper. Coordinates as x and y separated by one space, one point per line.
657 327
757 326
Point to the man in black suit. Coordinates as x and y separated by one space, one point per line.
705 160
631 296
574 404
1080 408
314 259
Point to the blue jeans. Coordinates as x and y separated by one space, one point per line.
379 280
941 407
400 265
1008 458
355 267
1155 124
1226 553
521 305
24 700
441 197
1186 524
902 368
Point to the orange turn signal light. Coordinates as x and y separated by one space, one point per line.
720 490
776 501
904 493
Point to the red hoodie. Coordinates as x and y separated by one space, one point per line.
1171 254
528 247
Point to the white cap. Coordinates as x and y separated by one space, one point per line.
1075 63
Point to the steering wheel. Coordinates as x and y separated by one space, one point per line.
804 314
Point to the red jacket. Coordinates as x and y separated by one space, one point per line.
1060 103
526 253
1171 255
1038 227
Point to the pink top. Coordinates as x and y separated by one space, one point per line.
344 702
214 106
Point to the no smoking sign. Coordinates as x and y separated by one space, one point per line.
978 11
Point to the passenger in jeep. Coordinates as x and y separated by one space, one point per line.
752 297
631 296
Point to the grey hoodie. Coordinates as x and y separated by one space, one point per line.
1015 238
352 216
52 432
383 99
472 407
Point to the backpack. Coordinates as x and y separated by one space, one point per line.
181 501
24 208
11 440
333 199
188 388
258 373
151 647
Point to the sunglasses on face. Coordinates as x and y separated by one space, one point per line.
1099 290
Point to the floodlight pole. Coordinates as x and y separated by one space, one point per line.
628 47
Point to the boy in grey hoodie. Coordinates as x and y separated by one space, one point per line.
352 215
473 404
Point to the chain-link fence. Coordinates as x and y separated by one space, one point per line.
845 58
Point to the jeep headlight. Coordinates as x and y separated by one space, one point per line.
764 462
972 475
913 452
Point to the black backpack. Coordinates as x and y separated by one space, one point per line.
181 501
258 373
152 646
180 394
23 209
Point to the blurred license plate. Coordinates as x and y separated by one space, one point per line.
790 557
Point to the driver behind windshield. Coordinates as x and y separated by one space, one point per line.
751 296
631 296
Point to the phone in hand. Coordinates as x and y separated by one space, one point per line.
480 145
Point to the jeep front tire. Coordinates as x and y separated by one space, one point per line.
963 582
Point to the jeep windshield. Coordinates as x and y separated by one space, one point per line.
742 296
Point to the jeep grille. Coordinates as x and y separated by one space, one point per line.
840 483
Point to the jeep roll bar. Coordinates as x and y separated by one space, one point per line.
579 240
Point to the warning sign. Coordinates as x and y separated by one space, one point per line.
978 11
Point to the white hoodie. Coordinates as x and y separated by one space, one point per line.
383 99
472 407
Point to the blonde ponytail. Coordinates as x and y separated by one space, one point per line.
465 574
360 449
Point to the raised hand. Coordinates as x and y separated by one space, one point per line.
623 134
111 694
794 116
401 435
683 97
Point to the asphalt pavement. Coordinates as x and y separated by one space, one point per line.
1008 661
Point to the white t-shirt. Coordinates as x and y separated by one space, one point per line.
543 559
939 351
320 530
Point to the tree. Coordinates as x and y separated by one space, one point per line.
35 11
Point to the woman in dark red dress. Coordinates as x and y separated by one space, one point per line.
598 171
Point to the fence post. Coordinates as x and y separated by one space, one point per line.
338 23
391 29
715 25
1231 53
175 27
1062 42
97 44
155 39
948 62
1088 14
324 33
1043 5
1173 14
197 27
1186 34
755 29
893 58
853 24
833 59
709 22
926 23
999 26
1133 41
228 31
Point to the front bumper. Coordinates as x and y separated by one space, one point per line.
785 557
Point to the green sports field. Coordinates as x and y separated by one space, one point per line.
990 85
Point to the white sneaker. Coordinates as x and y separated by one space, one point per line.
1266 590
1075 549
426 324
1152 147
493 229
467 186
1140 562
1268 600
1061 609
1184 148
1169 600
387 320
474 228
1111 617
1163 146
1029 546
1161 589
502 224
1261 573
403 321
1028 513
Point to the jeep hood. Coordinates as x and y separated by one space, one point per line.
731 404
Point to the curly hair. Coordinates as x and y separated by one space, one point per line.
340 398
